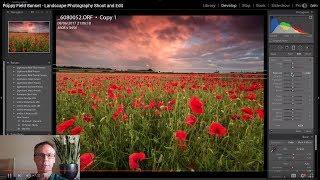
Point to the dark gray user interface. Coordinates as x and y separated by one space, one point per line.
27 62
291 96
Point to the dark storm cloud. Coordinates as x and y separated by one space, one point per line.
166 43
29 26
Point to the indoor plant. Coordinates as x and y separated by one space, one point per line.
68 151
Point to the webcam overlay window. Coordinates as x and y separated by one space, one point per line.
226 92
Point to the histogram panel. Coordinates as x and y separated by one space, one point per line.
291 25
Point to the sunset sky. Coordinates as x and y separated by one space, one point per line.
166 43
29 27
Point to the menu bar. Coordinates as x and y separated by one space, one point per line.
161 4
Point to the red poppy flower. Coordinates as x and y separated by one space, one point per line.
181 135
124 117
151 105
94 106
170 106
196 105
72 91
115 87
119 111
87 117
111 94
172 102
254 86
134 158
242 87
81 91
77 130
217 129
137 103
247 110
218 96
251 96
191 120
232 91
86 160
160 104
95 97
62 127
260 113
233 96
246 117
129 91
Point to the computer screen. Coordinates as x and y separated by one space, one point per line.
159 89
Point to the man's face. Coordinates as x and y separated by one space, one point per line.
44 158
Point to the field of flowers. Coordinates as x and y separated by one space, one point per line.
28 42
164 122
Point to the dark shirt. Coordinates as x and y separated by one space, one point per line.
52 177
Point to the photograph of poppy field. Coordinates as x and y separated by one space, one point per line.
164 93
28 36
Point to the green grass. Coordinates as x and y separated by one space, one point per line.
113 141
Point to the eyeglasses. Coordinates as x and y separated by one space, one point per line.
42 155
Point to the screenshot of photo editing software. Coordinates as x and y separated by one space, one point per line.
159 89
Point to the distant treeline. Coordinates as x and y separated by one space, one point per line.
110 70
88 69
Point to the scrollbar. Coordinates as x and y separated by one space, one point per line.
4 98
315 142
